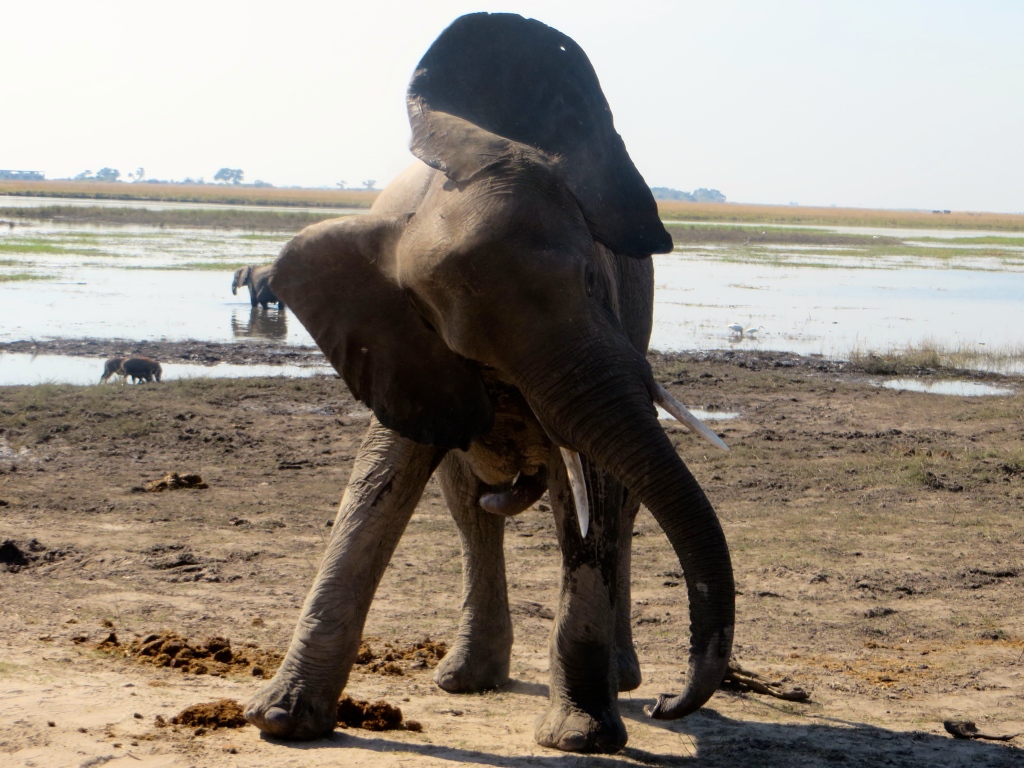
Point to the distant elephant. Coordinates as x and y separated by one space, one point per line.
141 369
257 278
493 310
112 368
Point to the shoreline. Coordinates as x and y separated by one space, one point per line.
268 352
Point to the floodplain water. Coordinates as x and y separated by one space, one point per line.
148 283
22 368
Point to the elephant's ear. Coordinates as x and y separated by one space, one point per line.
495 77
337 278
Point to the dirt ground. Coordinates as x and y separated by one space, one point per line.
877 539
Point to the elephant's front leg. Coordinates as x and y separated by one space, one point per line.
389 475
479 657
582 714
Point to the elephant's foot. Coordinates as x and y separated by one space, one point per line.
286 710
629 669
570 729
474 664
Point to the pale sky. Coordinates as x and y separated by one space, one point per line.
887 103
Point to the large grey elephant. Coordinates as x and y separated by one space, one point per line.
493 311
258 280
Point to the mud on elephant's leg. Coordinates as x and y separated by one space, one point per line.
479 657
582 714
300 702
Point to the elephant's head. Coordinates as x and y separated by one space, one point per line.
241 278
513 260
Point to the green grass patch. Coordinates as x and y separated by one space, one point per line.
17 277
986 240
44 246
210 266
689 234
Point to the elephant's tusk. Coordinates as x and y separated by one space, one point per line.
678 410
578 483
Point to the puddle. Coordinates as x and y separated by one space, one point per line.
958 387
700 413
18 369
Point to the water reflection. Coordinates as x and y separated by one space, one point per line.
259 323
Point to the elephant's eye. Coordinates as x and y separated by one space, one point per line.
591 279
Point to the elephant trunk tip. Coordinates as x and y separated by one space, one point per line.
706 673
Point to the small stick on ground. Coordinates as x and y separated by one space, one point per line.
965 729
741 679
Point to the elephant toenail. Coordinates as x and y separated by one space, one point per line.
277 719
572 741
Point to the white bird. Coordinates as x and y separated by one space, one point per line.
739 330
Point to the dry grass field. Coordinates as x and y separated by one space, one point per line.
739 213
192 193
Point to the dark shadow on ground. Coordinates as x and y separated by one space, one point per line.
710 740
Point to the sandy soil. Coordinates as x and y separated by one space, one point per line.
877 539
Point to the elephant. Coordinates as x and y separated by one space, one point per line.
141 369
493 310
258 280
112 368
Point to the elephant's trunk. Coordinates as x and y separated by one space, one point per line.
596 398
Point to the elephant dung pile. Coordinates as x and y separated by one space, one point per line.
375 716
213 656
172 481
225 713
424 655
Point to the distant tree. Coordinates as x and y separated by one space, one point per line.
703 195
370 184
232 175
139 175
108 174
341 184
667 193
259 183
83 176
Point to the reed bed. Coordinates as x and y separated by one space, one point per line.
935 356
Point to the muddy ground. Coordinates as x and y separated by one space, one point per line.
877 539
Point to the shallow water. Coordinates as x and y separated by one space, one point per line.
832 311
149 283
18 368
958 387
